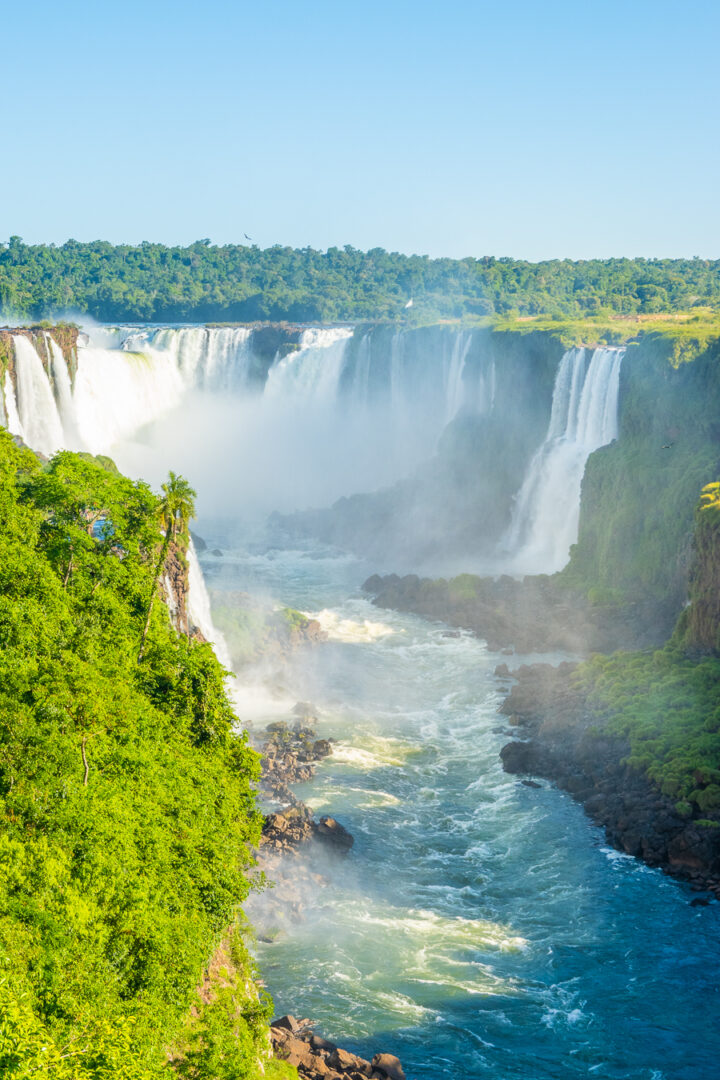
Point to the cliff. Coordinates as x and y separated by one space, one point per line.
458 504
699 625
127 803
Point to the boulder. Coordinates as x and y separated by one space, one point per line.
288 1023
332 832
388 1065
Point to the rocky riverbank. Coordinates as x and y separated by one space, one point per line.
289 755
563 741
315 1058
532 615
296 851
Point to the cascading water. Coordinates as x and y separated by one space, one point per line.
217 358
117 392
199 611
454 387
38 413
314 371
63 393
584 418
12 416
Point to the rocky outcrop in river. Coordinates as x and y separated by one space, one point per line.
315 1058
564 742
533 615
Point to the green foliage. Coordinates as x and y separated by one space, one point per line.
127 805
639 494
203 282
667 706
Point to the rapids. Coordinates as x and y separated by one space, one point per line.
479 928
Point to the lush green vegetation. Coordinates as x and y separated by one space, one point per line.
667 705
127 806
682 335
640 493
204 282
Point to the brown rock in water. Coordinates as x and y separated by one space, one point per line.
288 1023
388 1065
342 1060
334 833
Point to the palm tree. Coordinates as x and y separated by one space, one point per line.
176 509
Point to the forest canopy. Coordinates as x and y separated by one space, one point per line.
153 283
127 801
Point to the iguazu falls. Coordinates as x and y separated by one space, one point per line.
360 542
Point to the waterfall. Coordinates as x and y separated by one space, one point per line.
39 416
63 393
199 612
583 418
217 358
12 416
454 387
117 392
314 371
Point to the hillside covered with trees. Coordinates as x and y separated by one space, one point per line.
127 804
154 283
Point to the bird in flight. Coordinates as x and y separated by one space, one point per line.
409 304
248 238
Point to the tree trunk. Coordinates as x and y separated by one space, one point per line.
85 760
156 578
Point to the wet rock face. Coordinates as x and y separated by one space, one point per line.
638 819
314 1057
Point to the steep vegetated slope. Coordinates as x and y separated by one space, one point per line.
127 806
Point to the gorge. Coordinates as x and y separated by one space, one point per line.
481 926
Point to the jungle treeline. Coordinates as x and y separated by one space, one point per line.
204 282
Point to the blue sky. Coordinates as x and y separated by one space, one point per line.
532 129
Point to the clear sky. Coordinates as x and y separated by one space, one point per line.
529 128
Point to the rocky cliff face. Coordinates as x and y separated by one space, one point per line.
64 334
565 741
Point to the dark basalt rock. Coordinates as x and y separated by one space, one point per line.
289 756
563 744
334 833
533 615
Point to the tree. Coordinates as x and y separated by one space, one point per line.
177 508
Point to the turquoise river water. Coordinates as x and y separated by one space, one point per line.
478 928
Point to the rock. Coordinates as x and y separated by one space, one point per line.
502 671
305 710
330 830
217 552
321 748
200 544
318 1043
388 1065
288 1023
342 1060
531 783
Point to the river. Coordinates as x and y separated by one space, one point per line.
478 927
